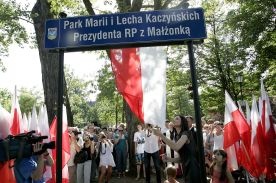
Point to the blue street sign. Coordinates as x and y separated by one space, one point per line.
126 29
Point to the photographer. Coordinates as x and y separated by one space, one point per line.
31 169
84 168
75 146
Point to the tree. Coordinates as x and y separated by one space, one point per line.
11 30
219 60
5 99
43 10
28 99
178 80
79 92
258 35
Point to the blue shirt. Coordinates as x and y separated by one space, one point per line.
24 169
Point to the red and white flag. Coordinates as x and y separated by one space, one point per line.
236 132
232 162
65 147
248 114
268 133
34 121
235 124
16 123
140 75
5 122
25 123
43 125
257 143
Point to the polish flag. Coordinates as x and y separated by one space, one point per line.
5 122
232 162
140 75
243 148
236 133
34 121
65 147
43 125
248 114
235 125
257 141
268 133
16 125
25 123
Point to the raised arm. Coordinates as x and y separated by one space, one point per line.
174 145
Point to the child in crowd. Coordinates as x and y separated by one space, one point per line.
170 172
218 170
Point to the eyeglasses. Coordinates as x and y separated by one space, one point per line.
121 130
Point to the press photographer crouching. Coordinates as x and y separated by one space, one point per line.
30 156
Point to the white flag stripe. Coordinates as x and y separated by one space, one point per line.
34 121
255 119
230 103
248 113
227 116
5 122
153 70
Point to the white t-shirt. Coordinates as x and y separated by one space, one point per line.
218 142
151 143
139 137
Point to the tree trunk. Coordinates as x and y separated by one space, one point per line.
49 61
131 127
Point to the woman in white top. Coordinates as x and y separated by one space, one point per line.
106 158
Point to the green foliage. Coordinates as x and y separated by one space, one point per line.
11 31
29 98
178 80
5 99
255 23
109 101
79 92
72 7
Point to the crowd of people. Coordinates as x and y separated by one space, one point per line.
172 151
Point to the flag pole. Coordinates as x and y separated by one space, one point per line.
59 112
197 112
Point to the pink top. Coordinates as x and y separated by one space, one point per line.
216 176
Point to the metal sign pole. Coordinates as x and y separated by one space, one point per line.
197 113
59 117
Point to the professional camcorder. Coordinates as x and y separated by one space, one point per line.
21 146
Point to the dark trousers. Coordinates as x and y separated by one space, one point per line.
156 162
93 170
121 156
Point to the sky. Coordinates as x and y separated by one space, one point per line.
23 64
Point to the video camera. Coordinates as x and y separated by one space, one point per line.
21 146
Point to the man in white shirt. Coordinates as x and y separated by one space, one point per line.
152 146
